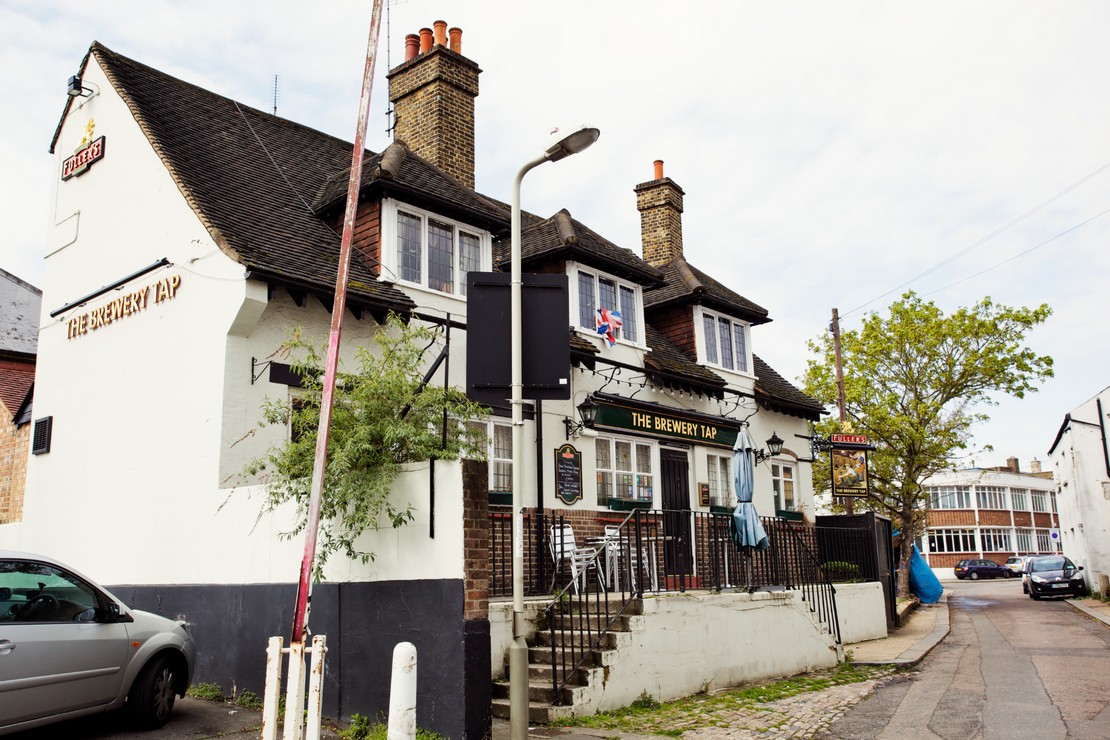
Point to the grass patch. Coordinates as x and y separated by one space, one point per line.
362 728
673 718
207 691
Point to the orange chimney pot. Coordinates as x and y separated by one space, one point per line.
412 46
658 169
425 40
441 32
456 40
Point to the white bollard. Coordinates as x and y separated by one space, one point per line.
272 692
402 693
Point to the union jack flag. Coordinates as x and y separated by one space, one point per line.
608 323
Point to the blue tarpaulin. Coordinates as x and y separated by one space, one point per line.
923 581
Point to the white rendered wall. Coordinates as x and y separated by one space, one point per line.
861 609
139 485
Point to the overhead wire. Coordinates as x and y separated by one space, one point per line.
988 237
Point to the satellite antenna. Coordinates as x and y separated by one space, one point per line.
275 94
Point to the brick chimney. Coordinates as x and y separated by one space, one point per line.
1012 464
1034 465
433 93
659 202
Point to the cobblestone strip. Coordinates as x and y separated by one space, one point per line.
806 715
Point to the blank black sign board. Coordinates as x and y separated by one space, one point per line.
545 311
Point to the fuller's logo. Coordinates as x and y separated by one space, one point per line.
83 158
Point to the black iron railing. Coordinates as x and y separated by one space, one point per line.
597 572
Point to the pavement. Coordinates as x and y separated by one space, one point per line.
1095 608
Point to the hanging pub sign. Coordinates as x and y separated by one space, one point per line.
849 465
568 474
83 159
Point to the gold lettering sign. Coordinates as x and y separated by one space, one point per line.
123 305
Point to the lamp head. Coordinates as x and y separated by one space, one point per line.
570 141
73 89
774 444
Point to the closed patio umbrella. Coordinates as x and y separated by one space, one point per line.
747 531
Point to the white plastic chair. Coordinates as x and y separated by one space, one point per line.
616 550
578 559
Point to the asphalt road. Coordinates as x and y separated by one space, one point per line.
1010 668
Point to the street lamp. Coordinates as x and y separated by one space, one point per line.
572 143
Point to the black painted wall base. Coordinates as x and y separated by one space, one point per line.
363 622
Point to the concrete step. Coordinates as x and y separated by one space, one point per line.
540 714
541 693
593 622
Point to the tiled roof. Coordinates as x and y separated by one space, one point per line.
687 284
16 378
673 366
248 176
778 394
563 237
399 172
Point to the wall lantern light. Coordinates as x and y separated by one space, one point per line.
587 413
774 447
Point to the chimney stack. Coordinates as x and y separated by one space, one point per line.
1034 465
1012 464
659 202
433 96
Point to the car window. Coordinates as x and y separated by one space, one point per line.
1042 564
990 563
36 592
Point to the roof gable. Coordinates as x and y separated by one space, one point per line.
686 284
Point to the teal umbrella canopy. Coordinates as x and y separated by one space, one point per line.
747 530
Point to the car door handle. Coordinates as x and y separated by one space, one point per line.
6 646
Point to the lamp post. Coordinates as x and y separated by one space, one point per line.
572 143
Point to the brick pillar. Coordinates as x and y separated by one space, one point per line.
659 202
476 571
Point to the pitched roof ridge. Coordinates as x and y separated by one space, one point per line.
389 163
688 276
564 225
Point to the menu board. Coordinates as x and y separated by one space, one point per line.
568 474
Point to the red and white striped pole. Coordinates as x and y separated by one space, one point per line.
304 588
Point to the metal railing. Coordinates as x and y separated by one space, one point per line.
660 551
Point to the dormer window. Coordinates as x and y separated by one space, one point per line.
426 250
723 341
592 289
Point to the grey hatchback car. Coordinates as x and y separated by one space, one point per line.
70 648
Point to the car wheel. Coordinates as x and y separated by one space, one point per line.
1025 588
1034 596
1006 574
152 696
974 576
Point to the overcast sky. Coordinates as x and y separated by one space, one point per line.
832 153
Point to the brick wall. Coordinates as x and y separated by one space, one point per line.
677 325
1023 519
433 103
959 518
949 559
994 518
15 444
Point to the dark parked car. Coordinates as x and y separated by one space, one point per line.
70 648
976 569
1054 575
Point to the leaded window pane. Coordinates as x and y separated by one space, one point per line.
441 257
710 339
741 348
470 257
408 246
629 329
587 308
725 331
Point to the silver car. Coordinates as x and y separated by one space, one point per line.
70 648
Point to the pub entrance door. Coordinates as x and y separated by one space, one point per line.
675 473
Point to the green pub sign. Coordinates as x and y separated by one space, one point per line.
704 430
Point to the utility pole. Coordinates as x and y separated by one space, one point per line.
849 504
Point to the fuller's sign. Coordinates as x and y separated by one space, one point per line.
83 159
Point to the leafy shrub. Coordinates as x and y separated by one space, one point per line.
841 571
207 691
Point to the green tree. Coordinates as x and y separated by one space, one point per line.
915 383
383 417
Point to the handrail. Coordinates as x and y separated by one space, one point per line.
819 592
571 647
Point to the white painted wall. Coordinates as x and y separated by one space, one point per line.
1083 493
155 414
684 643
862 611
